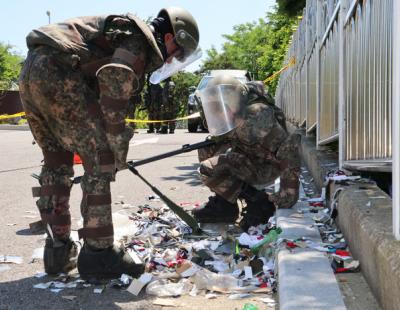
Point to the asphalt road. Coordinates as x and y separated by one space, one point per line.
19 158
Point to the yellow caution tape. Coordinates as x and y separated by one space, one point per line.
291 63
194 115
6 116
128 120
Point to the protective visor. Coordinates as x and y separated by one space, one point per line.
169 69
223 107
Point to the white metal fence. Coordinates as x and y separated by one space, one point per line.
341 83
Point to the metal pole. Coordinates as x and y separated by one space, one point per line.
48 14
396 121
342 85
318 79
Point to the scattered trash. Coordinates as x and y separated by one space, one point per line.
56 290
211 296
268 300
222 260
137 284
9 259
69 297
11 224
239 296
153 198
164 288
98 290
37 254
40 275
249 307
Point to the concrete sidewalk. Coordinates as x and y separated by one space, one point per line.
306 280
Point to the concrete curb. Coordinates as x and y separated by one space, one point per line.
365 218
305 277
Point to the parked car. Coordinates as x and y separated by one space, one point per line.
194 103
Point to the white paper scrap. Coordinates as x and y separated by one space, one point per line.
137 284
248 272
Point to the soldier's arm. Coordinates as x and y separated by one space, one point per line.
289 157
118 81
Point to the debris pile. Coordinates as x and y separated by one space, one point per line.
221 260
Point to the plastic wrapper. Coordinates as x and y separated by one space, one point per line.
164 288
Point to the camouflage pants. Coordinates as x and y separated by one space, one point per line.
154 114
226 172
169 112
56 99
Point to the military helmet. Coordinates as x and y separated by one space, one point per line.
185 28
227 79
224 101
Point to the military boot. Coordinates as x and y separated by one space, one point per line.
110 263
164 130
258 207
59 256
216 210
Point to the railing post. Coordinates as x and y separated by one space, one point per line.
396 121
318 79
342 85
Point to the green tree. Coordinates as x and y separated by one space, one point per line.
291 7
183 80
10 66
259 47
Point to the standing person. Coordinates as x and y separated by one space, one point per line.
169 108
75 86
253 149
154 105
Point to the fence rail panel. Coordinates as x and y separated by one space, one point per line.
309 91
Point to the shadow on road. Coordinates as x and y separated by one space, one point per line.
191 177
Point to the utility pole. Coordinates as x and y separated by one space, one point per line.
48 14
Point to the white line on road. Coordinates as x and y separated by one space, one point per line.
144 141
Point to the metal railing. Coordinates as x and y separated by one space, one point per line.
341 85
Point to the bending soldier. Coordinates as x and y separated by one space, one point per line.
75 86
254 149
169 108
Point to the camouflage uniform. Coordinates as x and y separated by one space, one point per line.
153 105
169 108
75 86
133 103
255 153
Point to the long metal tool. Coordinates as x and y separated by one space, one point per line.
186 217
184 149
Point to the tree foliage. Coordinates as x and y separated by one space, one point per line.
10 66
259 47
183 80
291 7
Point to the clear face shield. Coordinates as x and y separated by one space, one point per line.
189 53
223 107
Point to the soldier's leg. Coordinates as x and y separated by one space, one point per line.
229 175
221 208
72 115
172 126
151 125
53 203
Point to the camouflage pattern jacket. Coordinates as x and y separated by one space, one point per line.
263 137
113 52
